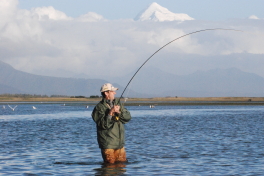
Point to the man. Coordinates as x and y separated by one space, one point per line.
109 116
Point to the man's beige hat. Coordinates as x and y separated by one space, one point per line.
108 87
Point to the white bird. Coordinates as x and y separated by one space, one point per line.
34 107
13 109
87 106
3 106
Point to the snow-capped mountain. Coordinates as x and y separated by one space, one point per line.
155 12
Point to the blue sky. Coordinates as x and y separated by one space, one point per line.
125 9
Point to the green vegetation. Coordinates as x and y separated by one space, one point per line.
78 96
23 95
46 98
95 96
137 101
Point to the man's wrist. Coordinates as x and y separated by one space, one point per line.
109 117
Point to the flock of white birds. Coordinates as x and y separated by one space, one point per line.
33 107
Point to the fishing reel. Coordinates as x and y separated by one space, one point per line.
115 117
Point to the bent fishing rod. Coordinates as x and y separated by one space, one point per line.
167 45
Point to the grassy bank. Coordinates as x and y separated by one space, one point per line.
199 99
45 99
196 101
148 101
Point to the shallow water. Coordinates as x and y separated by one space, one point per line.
165 140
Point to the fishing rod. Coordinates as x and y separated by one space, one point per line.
167 45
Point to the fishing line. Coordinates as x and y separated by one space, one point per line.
167 45
126 97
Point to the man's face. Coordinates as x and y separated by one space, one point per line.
110 95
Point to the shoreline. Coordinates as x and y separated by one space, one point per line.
141 101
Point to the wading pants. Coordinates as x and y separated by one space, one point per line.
113 155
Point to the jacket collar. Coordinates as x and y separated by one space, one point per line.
105 101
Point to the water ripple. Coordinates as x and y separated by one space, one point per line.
168 140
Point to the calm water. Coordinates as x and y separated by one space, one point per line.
165 140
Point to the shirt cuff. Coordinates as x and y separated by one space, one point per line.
109 117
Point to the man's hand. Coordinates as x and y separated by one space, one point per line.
114 109
117 109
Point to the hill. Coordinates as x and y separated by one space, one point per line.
149 82
212 83
14 81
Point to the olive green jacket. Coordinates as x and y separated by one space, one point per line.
110 133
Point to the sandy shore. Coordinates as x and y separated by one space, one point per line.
148 101
199 99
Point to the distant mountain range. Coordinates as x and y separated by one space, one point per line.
213 83
155 12
13 81
149 82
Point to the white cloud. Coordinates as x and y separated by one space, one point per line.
45 39
254 17
49 13
7 11
90 17
7 7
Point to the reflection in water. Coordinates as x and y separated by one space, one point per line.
117 168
